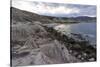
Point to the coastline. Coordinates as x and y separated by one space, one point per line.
76 44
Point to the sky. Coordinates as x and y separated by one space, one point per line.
55 9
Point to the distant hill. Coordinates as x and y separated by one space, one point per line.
25 16
85 18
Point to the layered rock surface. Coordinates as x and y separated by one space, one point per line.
31 44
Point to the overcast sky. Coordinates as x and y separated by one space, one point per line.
56 9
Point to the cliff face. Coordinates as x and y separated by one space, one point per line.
31 44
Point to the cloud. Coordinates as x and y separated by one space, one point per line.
44 9
55 9
90 2
23 5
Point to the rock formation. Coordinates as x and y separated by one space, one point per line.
32 44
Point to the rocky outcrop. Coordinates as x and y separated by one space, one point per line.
76 44
33 44
36 46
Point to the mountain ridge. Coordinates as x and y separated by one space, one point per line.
21 15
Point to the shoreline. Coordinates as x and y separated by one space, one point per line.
78 47
34 41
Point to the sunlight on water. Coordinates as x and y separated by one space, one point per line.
86 29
